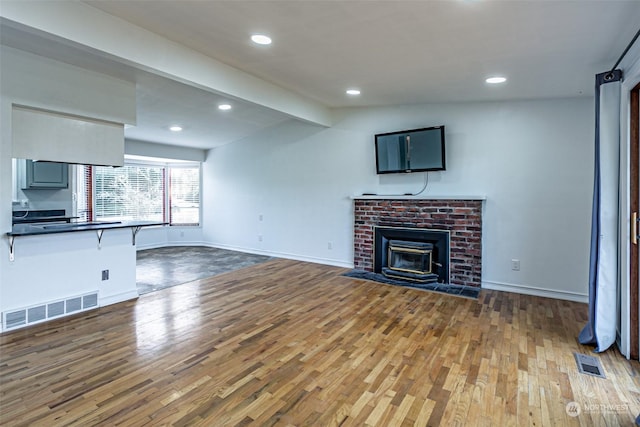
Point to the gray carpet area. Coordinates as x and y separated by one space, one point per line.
165 267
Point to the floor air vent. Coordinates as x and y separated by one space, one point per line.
589 365
54 309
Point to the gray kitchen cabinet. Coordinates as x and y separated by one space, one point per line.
43 175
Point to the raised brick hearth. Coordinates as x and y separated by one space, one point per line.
463 218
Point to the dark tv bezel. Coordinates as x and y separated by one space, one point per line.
442 147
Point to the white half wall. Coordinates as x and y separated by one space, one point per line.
57 266
286 192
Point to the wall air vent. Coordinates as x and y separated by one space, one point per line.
15 319
36 314
55 309
74 304
25 316
89 301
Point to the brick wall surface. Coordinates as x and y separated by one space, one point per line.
463 218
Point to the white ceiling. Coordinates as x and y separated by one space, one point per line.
401 52
396 52
162 102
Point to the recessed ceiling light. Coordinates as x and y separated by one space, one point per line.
353 92
496 80
261 39
175 128
224 107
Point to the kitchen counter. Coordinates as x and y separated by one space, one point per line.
40 229
44 228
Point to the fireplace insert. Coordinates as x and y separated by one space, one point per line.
412 254
410 260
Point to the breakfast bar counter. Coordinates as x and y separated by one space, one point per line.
69 227
38 229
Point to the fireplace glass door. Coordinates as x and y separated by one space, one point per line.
409 258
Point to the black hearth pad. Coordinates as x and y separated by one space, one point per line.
419 278
458 290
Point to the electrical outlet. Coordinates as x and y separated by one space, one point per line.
259 237
260 217
515 264
105 274
329 245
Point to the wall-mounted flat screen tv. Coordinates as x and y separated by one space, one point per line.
415 150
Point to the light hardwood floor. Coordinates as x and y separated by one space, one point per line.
290 343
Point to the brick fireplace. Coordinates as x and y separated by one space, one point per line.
461 217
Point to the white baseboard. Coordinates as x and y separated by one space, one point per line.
114 299
170 244
315 260
486 284
535 291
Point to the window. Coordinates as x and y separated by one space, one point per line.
184 195
129 193
140 192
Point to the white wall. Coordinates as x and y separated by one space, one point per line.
297 177
157 237
532 160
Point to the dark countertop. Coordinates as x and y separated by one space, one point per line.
43 228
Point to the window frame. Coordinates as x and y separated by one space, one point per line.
168 212
166 167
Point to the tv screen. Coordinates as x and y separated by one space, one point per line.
415 150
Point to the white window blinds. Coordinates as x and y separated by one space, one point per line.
184 195
140 192
129 193
84 193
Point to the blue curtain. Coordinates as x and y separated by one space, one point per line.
601 328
